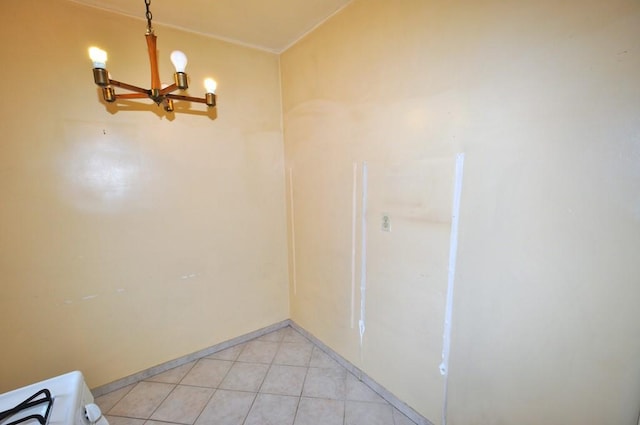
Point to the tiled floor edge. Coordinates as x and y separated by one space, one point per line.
383 392
163 367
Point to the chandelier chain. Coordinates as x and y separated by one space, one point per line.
149 17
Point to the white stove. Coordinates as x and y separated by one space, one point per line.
63 400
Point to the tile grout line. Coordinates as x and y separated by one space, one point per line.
282 342
255 397
215 390
120 399
160 404
304 381
180 383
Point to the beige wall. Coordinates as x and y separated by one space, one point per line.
543 97
127 239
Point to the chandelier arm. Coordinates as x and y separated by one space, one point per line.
187 98
209 99
129 87
169 89
153 61
132 96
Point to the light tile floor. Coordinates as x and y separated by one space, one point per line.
280 378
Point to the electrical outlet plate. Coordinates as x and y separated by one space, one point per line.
386 223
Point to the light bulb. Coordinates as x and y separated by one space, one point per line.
99 57
179 60
210 85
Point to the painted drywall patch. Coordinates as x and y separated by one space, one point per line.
453 249
293 234
354 219
363 271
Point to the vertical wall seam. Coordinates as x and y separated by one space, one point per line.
281 98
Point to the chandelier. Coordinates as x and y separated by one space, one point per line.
160 95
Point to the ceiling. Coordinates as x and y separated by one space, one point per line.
271 25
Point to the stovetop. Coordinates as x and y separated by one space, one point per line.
62 400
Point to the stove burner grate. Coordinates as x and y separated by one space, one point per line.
41 397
